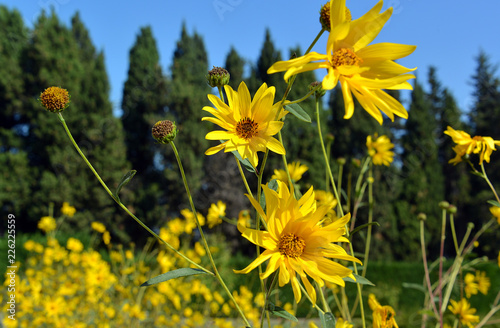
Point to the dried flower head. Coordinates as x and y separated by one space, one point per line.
164 131
55 99
217 77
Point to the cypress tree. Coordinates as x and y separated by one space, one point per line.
235 66
143 103
15 173
423 186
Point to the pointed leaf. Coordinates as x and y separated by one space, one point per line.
125 179
362 227
359 279
414 286
172 275
298 112
245 162
494 203
280 312
327 319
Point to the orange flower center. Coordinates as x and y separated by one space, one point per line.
246 128
345 57
291 245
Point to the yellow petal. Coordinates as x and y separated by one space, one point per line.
348 102
275 146
219 135
385 51
215 149
258 261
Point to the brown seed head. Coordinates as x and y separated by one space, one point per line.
164 131
217 77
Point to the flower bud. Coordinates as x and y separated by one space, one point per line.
164 131
452 209
444 205
217 77
356 162
55 99
370 180
320 92
422 216
341 161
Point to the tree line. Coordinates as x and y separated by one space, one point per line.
39 167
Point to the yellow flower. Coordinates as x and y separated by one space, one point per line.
190 221
467 145
47 224
342 324
465 313
244 219
98 226
380 150
248 125
383 316
495 210
363 70
74 245
296 244
471 286
483 282
67 209
326 198
295 169
215 214
106 237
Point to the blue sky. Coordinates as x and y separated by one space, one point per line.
448 34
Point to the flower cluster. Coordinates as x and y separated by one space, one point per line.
466 145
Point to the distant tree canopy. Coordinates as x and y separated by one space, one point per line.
39 169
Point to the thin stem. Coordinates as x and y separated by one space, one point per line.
202 235
426 269
489 183
305 97
323 299
441 257
494 309
245 182
453 233
268 294
82 155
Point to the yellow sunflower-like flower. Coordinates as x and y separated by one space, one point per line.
98 226
215 214
495 210
467 145
295 169
471 287
464 312
47 224
248 124
483 282
362 69
68 210
383 316
295 244
380 150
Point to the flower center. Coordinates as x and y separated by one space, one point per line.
246 128
345 57
291 245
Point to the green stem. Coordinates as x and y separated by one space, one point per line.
453 233
268 294
441 257
426 269
323 299
305 97
341 211
61 118
242 173
489 183
202 235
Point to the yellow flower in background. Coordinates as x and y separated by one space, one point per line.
380 150
383 316
47 224
295 169
464 312
248 125
471 287
67 209
466 145
483 282
295 244
74 245
363 70
190 221
342 324
495 210
106 237
215 214
98 226
244 219
326 198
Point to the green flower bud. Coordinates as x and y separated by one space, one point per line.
422 216
319 92
55 99
217 77
341 161
164 131
452 209
444 205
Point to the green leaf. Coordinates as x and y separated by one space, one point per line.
298 112
414 286
359 279
280 312
327 319
125 179
245 162
494 203
172 275
362 227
